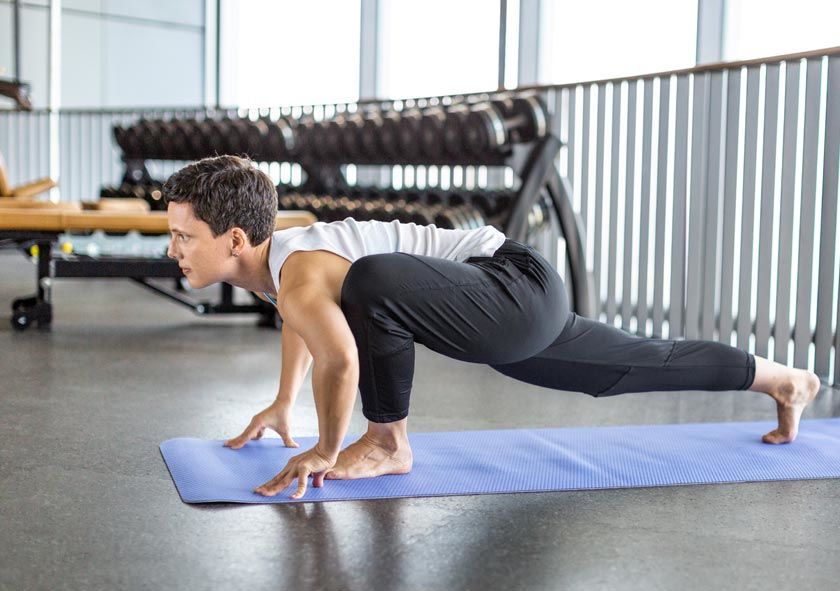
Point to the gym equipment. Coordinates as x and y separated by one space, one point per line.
15 89
500 129
477 130
522 460
151 193
445 210
25 191
38 231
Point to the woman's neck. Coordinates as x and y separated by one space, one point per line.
253 272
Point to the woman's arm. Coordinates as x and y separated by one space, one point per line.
296 360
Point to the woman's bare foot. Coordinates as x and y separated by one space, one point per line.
793 390
384 449
366 458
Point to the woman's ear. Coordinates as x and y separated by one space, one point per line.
239 240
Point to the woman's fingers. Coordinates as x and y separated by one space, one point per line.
276 484
285 435
287 439
249 433
300 467
303 476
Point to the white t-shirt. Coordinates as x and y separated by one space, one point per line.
352 240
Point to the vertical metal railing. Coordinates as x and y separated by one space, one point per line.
709 198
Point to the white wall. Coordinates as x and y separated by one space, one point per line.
115 53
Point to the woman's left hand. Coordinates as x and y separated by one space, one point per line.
311 462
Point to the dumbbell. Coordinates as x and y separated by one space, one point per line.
148 135
492 125
173 141
454 131
460 202
409 134
525 116
432 133
279 141
371 137
243 136
421 214
473 216
331 209
197 138
347 207
178 139
446 218
367 209
491 203
333 148
255 133
215 136
285 202
389 136
351 137
441 201
128 140
108 192
304 137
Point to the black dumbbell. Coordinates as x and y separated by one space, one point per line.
367 209
444 218
526 116
351 137
255 133
286 202
148 134
107 191
176 143
371 137
215 136
389 136
304 137
454 130
242 137
333 138
432 133
409 134
493 125
128 138
165 131
279 142
419 214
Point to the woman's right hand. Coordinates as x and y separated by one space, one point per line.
275 417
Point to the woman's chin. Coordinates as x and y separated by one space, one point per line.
194 282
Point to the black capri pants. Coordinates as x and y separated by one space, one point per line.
511 312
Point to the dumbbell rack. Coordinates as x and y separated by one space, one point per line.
507 130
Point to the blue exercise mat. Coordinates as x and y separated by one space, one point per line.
523 460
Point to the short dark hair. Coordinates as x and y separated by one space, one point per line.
226 192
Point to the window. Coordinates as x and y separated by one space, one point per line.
598 39
283 52
437 47
762 28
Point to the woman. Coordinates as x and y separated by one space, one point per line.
356 296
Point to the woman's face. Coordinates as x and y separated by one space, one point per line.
200 255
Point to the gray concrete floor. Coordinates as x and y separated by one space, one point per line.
86 501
